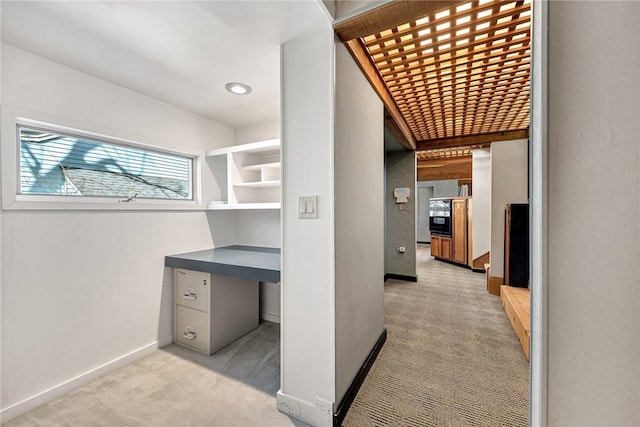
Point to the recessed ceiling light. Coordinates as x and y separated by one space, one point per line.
238 88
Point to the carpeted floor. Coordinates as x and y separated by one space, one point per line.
451 357
175 386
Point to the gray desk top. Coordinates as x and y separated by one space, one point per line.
248 262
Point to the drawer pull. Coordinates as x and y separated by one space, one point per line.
190 334
190 294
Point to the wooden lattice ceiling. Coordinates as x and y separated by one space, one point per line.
448 153
462 69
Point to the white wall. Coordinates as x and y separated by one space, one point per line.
83 289
481 185
359 219
593 214
509 171
307 386
261 132
332 312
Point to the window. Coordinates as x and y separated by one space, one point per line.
54 163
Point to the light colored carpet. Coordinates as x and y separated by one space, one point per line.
451 357
175 386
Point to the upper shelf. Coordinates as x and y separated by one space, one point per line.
262 148
252 174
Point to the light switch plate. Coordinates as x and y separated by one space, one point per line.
307 207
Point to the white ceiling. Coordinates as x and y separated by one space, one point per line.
181 52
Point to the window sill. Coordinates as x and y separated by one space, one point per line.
102 205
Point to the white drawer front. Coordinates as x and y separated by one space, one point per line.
192 289
192 328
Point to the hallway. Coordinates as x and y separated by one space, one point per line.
451 357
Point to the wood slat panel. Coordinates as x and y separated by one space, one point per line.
380 41
402 50
471 139
439 163
449 153
452 69
459 171
387 16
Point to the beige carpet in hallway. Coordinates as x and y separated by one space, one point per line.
451 357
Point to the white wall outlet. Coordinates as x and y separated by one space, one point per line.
402 249
307 207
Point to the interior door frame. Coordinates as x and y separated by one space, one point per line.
538 187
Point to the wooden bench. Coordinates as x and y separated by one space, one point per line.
516 304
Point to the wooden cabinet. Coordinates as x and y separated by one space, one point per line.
441 247
456 247
435 246
460 231
445 248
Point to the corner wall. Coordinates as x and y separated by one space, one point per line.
307 384
359 220
400 167
593 214
332 266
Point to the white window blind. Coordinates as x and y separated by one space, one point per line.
54 163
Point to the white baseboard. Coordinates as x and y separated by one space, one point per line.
61 389
319 414
270 317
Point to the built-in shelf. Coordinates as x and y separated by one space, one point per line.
258 184
259 167
252 175
271 146
241 206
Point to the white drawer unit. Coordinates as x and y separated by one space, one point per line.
212 311
192 328
192 289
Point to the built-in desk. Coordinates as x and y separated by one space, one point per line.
216 293
247 262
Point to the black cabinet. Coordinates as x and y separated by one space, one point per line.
516 245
